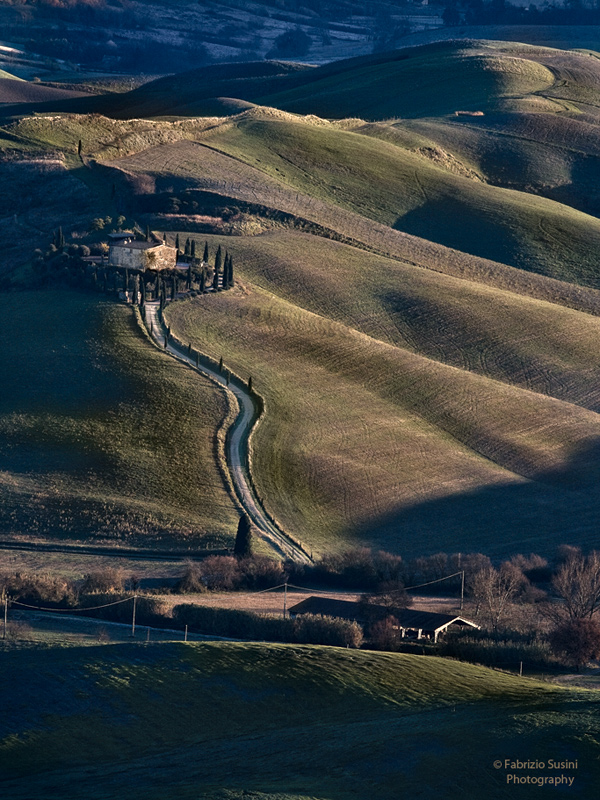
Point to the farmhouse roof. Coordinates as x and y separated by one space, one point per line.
347 609
328 607
138 245
117 237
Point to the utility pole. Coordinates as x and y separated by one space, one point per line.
462 590
133 616
5 613
284 600
185 634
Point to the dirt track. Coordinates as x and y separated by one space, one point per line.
237 438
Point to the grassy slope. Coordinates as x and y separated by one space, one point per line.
101 436
289 721
8 76
358 432
391 185
519 340
188 165
428 81
549 154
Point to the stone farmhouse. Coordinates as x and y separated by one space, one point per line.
126 251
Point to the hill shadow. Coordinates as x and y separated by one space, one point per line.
555 507
451 222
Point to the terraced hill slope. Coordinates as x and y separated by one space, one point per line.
232 720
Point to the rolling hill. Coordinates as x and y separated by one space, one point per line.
432 80
92 418
276 722
433 431
418 298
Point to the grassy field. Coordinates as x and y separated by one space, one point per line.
408 192
365 437
534 344
281 721
103 438
346 180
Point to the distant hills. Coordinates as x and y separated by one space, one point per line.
433 80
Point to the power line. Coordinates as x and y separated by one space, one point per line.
71 610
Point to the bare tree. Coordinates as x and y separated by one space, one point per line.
384 634
493 589
577 582
576 641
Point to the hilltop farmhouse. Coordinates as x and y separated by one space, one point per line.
127 251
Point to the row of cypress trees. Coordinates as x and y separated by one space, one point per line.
223 264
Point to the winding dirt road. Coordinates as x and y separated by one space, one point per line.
236 446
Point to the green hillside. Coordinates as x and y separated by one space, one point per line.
228 720
404 431
392 185
101 437
8 75
432 80
312 170
552 155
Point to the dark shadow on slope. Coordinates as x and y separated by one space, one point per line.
557 507
448 221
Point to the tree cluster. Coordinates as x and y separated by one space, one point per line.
305 629
230 573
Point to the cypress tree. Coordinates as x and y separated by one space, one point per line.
193 248
225 270
205 256
218 259
187 247
243 538
221 364
230 277
203 281
250 384
190 349
79 146
189 277
216 280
